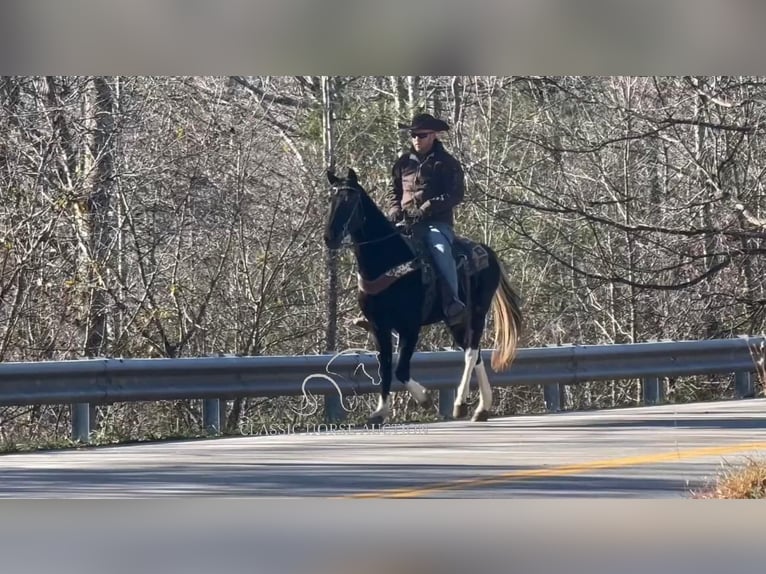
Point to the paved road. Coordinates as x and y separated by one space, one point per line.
664 451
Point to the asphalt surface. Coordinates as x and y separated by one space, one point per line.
650 452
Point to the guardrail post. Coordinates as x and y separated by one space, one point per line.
211 416
333 408
447 401
652 390
552 396
744 385
222 413
81 422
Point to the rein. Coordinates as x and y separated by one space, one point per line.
364 218
390 235
387 278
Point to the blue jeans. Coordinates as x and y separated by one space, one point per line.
439 237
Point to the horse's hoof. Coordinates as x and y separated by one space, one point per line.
480 416
460 411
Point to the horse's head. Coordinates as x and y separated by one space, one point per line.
346 213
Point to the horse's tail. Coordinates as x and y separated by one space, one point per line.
506 311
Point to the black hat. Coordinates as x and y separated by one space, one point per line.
425 122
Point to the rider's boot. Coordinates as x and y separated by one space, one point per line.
452 306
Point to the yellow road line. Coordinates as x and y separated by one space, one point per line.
564 470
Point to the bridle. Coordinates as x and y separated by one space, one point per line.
346 231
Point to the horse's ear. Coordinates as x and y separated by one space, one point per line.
351 176
331 177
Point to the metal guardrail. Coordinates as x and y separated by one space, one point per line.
98 381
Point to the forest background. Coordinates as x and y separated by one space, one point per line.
182 216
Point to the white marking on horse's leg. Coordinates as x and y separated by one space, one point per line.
417 390
470 361
383 407
485 391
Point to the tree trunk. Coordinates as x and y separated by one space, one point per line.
92 217
412 95
328 142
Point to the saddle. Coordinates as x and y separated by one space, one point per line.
470 258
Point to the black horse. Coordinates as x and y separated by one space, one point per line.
397 293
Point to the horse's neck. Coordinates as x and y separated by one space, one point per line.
374 259
379 246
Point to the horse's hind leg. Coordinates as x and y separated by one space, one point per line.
460 410
485 392
478 322
473 362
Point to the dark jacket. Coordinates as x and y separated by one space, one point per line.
435 185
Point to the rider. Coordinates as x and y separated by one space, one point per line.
428 183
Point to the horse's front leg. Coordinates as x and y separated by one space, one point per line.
385 351
407 342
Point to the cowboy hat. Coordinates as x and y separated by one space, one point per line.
425 122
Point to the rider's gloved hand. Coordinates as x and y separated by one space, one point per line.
414 214
396 216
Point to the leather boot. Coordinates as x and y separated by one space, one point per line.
451 306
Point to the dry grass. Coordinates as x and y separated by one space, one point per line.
747 481
742 482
